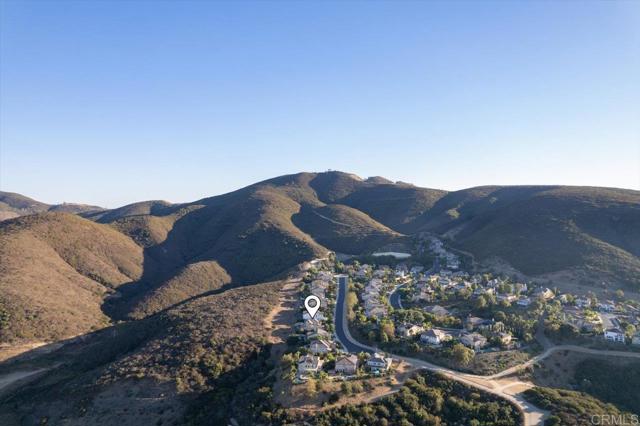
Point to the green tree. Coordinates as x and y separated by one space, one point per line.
462 354
630 330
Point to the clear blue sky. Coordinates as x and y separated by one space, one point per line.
114 102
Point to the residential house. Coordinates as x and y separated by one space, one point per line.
444 281
320 346
363 272
437 310
408 330
482 291
311 325
583 302
635 340
319 334
401 271
319 284
520 288
462 286
614 335
493 283
309 364
325 276
544 293
524 302
474 340
318 316
378 362
474 323
509 298
347 364
425 294
416 270
435 336
379 273
609 306
505 338
376 312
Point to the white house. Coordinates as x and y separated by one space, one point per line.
607 307
614 335
583 302
524 302
347 364
378 362
434 336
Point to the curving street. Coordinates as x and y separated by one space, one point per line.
501 384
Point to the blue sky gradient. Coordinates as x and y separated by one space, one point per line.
115 102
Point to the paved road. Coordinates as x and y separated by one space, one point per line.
394 298
533 415
341 324
502 384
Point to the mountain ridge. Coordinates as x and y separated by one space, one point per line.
175 252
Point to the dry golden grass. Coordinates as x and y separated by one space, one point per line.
55 269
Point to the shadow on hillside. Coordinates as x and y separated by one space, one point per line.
220 230
474 203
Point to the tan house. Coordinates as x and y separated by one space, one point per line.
474 340
320 347
347 364
408 330
505 338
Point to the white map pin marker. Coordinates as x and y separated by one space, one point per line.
312 304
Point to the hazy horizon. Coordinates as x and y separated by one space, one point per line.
109 103
179 201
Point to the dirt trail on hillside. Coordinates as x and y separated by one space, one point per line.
283 315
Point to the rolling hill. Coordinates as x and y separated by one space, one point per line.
541 230
190 364
15 205
55 271
141 259
169 300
